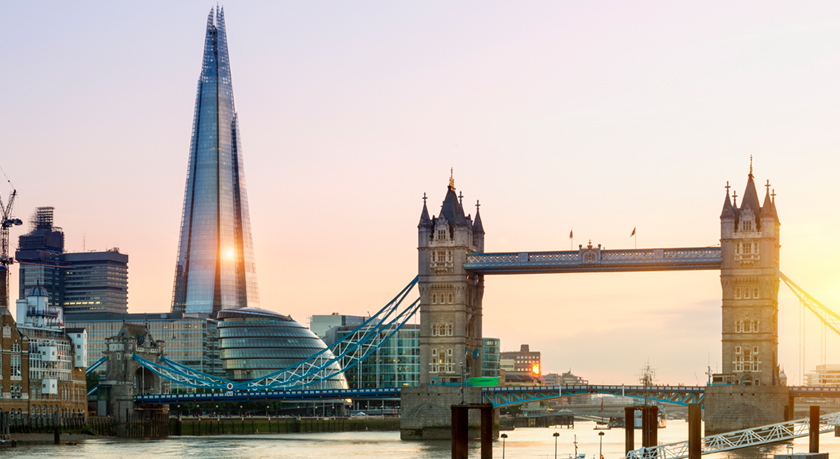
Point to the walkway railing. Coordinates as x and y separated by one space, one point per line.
739 439
595 259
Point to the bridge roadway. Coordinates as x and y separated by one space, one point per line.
595 259
498 396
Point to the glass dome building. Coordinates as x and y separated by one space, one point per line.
254 343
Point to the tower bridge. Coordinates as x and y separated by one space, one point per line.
452 264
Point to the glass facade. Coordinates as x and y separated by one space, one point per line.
256 342
490 364
190 341
215 268
395 364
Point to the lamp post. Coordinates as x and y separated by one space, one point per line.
601 445
240 411
556 435
504 436
266 411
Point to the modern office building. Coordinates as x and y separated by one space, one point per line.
321 324
394 364
190 341
215 268
76 282
824 375
491 363
522 367
39 256
254 343
95 282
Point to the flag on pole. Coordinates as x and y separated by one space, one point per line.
571 234
634 232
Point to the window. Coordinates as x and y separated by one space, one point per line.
434 333
434 298
449 330
747 248
441 234
449 351
739 326
746 225
755 292
441 256
451 298
16 347
737 350
737 292
747 293
434 352
15 369
755 350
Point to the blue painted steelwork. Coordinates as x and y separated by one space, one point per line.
95 365
266 395
498 396
509 396
595 259
360 343
90 392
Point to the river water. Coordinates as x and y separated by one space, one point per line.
521 443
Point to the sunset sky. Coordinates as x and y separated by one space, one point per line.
592 116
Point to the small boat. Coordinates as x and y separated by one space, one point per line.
504 428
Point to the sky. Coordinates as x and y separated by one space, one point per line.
597 117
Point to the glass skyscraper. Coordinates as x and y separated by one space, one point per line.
215 267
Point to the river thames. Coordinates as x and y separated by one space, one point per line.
521 443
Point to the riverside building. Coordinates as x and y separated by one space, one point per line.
42 364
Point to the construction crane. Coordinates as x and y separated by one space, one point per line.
6 222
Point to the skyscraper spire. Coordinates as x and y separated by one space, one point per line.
215 268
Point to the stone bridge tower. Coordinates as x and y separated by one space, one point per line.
749 242
125 377
450 322
450 297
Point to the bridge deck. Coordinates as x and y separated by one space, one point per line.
595 259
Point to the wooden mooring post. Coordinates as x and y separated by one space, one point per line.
814 430
461 428
694 429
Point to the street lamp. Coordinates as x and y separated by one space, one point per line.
504 436
556 435
240 411
601 445
266 411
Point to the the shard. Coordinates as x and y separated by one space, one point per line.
215 267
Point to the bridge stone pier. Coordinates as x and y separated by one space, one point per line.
125 377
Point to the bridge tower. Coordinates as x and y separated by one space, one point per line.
125 377
749 241
450 321
450 297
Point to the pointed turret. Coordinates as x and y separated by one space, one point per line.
451 209
728 211
768 209
477 227
750 198
425 221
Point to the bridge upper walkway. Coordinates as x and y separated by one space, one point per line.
595 259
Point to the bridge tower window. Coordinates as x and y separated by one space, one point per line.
441 234
737 350
739 326
737 292
747 293
755 350
434 298
755 292
746 225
